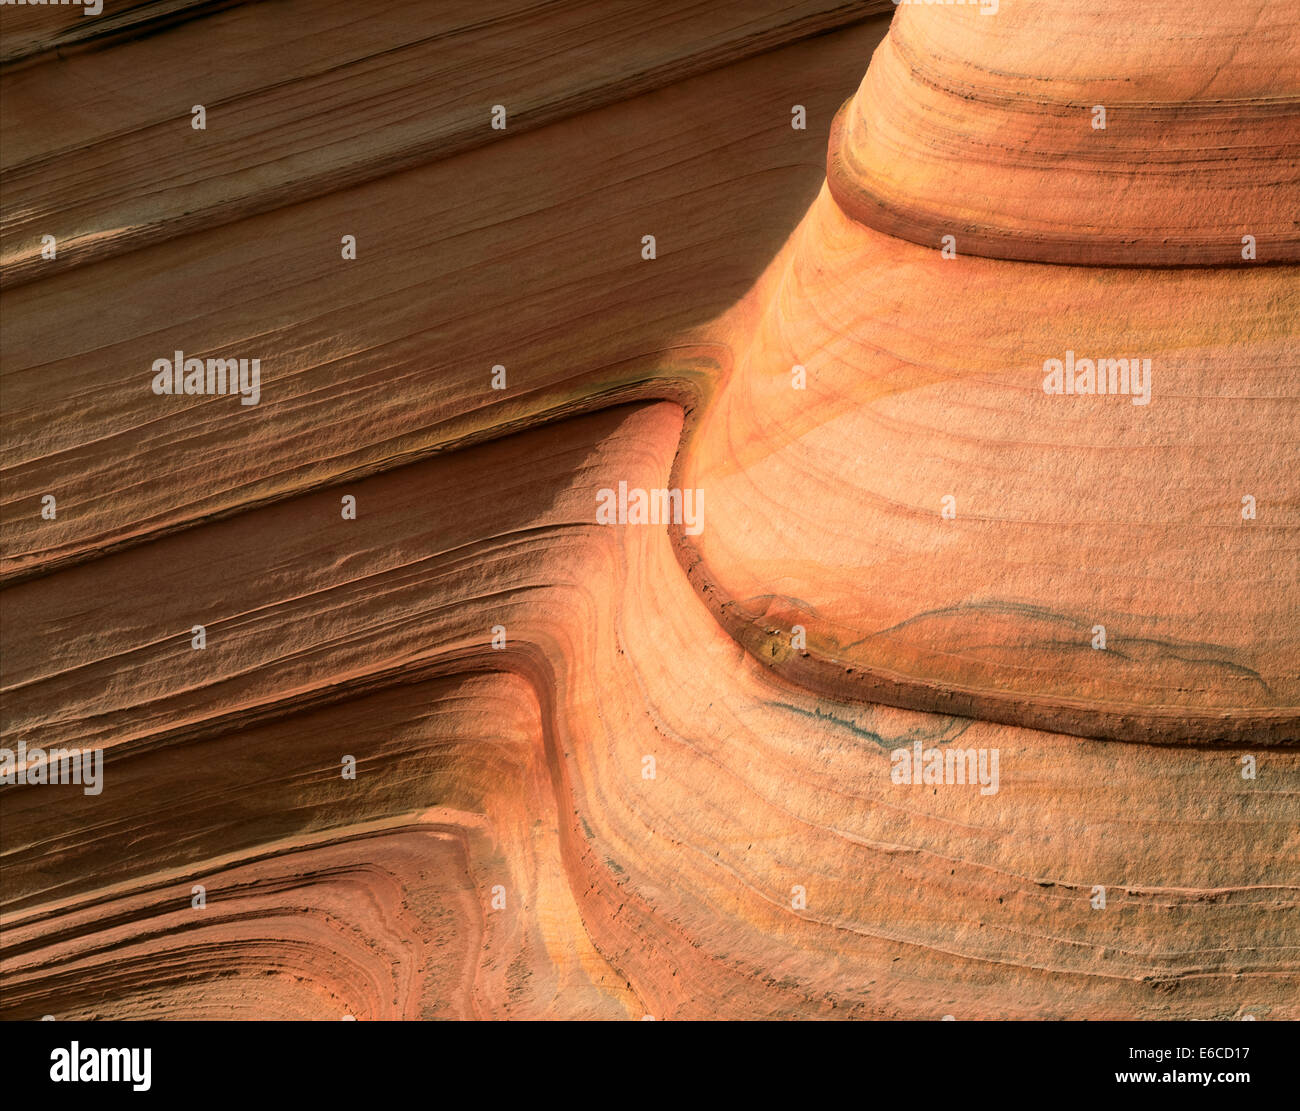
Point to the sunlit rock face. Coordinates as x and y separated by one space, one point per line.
997 464
950 533
827 618
1080 133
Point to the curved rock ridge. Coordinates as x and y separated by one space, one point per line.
773 866
1058 496
395 724
985 126
436 872
1069 515
350 927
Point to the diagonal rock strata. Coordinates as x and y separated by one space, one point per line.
841 752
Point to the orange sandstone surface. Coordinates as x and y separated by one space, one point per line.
486 744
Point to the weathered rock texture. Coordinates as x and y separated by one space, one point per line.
988 128
609 771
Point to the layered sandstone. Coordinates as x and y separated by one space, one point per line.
454 748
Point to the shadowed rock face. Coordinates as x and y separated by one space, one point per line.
850 749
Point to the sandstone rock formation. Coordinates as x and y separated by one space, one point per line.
606 771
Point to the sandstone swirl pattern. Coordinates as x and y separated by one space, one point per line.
501 852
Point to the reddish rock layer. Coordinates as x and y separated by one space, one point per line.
598 773
982 126
924 381
918 901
